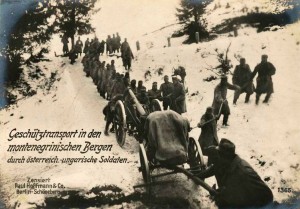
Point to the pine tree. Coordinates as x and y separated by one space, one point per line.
32 31
73 16
37 26
190 16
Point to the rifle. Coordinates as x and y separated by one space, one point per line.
214 118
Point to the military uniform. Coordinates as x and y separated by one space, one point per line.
242 77
166 89
239 185
220 103
264 83
178 98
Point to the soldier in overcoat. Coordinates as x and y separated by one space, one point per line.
264 83
242 77
178 103
220 103
208 125
239 184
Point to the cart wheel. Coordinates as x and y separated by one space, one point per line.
120 123
155 105
145 167
195 154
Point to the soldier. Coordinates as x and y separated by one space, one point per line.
100 77
65 42
84 61
118 86
166 89
242 78
178 96
220 103
143 98
114 43
95 66
108 78
139 87
112 66
126 79
104 81
133 86
72 56
154 93
126 55
108 45
97 47
86 45
93 47
118 42
110 83
239 185
124 45
108 111
208 136
264 83
180 71
102 46
78 46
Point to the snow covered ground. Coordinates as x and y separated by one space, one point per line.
266 135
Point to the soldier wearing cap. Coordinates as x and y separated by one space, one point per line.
86 45
143 98
239 184
154 93
208 125
140 87
108 111
242 78
166 89
264 83
118 87
220 103
133 86
178 96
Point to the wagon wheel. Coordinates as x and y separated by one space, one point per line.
195 156
155 105
120 123
145 168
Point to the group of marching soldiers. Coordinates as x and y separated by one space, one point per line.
112 86
94 48
113 44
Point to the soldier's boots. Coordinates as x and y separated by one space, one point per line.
257 99
247 98
112 130
267 98
106 128
234 101
225 120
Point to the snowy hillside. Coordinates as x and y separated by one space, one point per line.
265 135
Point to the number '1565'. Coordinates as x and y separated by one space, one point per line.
286 190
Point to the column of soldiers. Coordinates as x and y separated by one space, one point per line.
221 155
113 44
111 84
